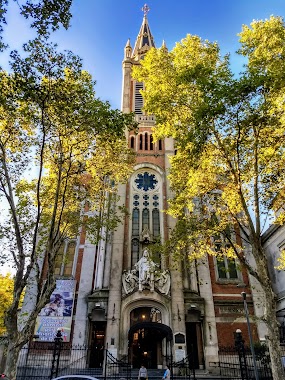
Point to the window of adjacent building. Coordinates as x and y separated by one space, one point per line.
132 142
64 259
226 268
159 144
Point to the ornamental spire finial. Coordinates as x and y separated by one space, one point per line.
145 10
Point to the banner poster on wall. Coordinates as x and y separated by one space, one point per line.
57 313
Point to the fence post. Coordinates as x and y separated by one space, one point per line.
193 362
129 370
106 359
239 344
56 354
171 359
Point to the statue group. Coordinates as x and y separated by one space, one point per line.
148 277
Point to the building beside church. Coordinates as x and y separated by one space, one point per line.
274 242
150 309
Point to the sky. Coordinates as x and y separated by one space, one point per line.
100 29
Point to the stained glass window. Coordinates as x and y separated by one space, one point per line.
135 222
146 181
145 218
155 223
135 251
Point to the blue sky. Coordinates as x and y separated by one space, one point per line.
100 28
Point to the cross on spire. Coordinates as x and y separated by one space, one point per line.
145 10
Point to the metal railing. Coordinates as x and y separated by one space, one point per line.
237 363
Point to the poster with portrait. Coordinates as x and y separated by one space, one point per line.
57 313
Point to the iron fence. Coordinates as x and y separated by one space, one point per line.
236 363
117 369
44 361
183 369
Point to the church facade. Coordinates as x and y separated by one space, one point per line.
152 309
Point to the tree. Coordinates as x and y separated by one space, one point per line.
6 291
52 118
228 173
62 151
44 16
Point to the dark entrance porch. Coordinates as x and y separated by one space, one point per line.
150 344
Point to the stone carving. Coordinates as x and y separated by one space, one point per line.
130 280
145 235
148 276
162 281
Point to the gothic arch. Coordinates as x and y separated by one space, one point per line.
136 301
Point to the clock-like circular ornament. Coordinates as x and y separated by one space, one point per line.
145 181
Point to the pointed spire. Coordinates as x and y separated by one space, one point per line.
128 49
144 39
163 46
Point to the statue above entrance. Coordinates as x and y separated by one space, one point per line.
146 268
148 276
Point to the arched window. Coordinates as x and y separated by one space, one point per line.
146 141
135 251
155 223
132 142
135 222
159 145
151 143
145 218
141 141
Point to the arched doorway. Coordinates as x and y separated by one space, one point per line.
150 341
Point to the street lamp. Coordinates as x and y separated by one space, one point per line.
239 344
243 294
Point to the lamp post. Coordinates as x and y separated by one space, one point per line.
239 344
56 353
243 294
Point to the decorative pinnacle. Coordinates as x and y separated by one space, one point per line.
145 10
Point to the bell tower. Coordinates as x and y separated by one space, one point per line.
143 287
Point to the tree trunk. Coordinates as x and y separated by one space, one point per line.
13 352
273 335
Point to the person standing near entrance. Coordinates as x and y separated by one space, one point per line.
142 373
166 375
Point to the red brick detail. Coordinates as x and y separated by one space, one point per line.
225 332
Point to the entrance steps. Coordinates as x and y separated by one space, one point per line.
153 374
